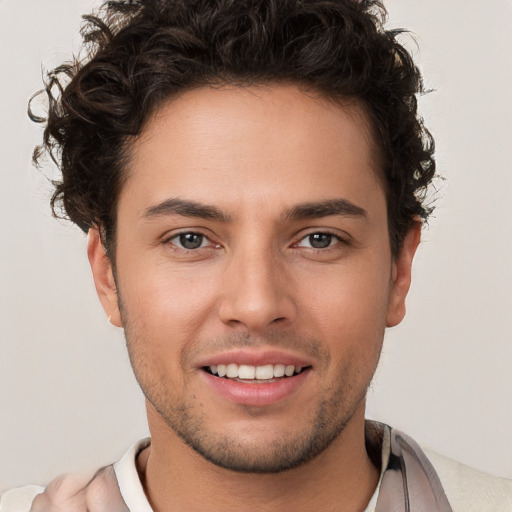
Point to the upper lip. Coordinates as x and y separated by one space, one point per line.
253 357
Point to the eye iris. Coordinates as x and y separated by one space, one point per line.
320 240
191 240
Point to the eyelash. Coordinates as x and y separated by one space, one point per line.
338 240
176 247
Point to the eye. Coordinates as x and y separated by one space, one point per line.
319 240
190 241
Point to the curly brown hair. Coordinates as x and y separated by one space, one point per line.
142 52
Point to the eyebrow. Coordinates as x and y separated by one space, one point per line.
319 209
185 208
310 210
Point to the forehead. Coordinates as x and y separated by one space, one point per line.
238 145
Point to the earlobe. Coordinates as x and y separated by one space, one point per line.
103 277
401 276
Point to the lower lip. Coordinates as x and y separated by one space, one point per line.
256 394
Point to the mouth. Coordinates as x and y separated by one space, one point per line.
259 380
249 374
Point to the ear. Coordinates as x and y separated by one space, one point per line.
103 277
401 276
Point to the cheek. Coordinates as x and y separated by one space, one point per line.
348 305
162 320
350 320
164 303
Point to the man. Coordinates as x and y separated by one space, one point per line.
252 179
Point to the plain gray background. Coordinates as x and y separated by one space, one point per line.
67 396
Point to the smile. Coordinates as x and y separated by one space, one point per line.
255 385
248 373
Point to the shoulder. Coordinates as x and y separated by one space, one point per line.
19 499
69 493
100 490
470 490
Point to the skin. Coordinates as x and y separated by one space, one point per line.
256 155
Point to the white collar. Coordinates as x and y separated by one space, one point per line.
129 480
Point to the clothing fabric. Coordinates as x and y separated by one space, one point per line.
411 480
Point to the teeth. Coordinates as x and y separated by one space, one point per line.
247 372
232 371
279 370
265 372
288 371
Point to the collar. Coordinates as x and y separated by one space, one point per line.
408 481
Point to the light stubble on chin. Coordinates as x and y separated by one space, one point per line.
322 424
282 454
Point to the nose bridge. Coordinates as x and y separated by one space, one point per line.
256 292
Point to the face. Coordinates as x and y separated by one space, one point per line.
254 277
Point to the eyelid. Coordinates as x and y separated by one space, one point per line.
168 237
342 236
178 243
173 233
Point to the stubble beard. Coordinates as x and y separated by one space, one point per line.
325 423
282 454
332 413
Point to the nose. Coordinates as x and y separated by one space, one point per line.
257 295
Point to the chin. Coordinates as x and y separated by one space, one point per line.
270 447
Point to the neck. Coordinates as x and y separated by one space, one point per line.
175 477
